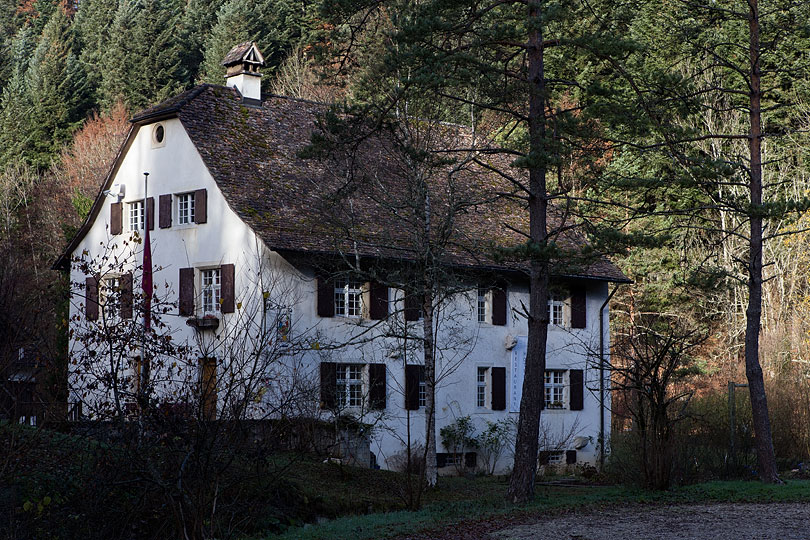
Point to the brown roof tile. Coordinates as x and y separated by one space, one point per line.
253 155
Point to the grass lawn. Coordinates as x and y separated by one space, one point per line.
464 502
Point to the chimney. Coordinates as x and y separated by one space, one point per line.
242 64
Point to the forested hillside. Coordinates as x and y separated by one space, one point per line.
648 131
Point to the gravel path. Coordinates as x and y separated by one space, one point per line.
693 522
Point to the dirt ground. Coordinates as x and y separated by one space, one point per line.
699 522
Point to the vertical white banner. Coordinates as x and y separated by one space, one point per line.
518 366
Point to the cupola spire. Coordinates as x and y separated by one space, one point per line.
243 64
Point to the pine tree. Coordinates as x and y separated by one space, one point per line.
144 61
277 26
93 25
57 90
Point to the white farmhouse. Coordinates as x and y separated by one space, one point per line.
237 241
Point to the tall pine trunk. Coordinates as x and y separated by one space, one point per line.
753 370
521 483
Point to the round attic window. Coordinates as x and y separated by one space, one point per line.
159 133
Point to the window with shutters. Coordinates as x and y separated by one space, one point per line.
185 208
555 389
136 216
109 296
348 298
349 385
211 288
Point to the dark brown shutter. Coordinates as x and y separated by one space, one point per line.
326 297
576 378
150 213
328 385
116 218
165 211
570 457
441 460
201 206
186 303
376 378
208 388
379 301
470 460
499 306
578 314
91 298
412 307
227 273
543 457
126 296
498 389
412 373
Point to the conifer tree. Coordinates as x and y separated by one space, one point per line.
93 24
144 61
57 90
277 26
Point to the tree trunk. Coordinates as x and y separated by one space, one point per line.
753 370
521 483
431 473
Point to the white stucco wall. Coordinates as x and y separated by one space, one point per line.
176 167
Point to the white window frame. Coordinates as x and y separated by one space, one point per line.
482 378
185 208
421 390
211 290
136 215
484 305
556 310
350 383
556 457
554 389
349 298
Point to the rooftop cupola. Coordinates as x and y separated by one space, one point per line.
242 64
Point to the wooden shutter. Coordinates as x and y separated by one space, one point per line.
577 395
570 457
470 460
208 388
186 303
412 376
165 211
116 218
201 206
376 377
578 313
499 306
328 385
378 309
543 457
412 307
150 213
326 297
126 296
227 273
441 460
498 389
91 298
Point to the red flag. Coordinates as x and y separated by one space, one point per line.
147 273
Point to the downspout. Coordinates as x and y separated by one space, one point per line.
602 377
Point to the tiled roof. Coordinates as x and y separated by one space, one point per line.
253 154
235 55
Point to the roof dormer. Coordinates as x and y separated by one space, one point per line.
243 64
